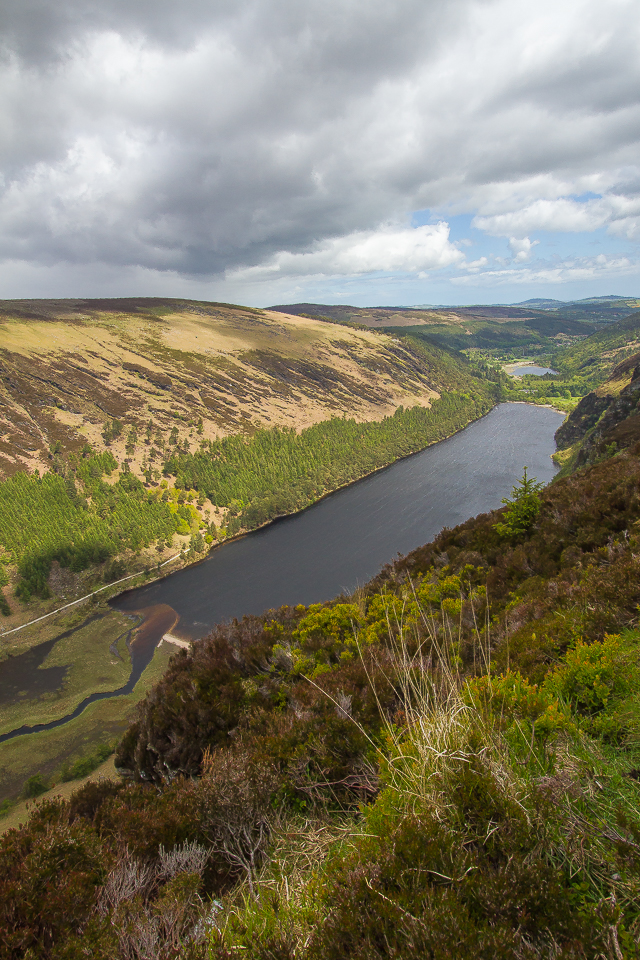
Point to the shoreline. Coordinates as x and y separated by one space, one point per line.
174 639
147 574
308 506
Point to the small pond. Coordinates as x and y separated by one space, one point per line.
531 368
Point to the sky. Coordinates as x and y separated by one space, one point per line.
368 152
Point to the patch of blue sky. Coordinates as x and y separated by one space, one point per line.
475 243
561 265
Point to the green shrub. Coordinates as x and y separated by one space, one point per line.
83 766
35 786
601 680
522 509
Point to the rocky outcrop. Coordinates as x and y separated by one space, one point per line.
581 420
606 420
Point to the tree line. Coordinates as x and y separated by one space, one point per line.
73 516
278 471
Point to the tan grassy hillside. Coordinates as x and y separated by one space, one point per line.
68 366
482 327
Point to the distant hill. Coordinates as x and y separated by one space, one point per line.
598 354
481 326
598 310
69 367
537 303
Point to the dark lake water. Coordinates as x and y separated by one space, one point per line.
345 539
333 546
531 368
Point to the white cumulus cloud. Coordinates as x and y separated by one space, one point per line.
619 213
521 249
199 140
410 250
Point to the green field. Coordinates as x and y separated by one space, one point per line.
94 657
102 722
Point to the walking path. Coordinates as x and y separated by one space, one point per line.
80 599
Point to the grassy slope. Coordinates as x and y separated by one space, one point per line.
69 366
427 805
595 357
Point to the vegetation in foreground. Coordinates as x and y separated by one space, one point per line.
443 765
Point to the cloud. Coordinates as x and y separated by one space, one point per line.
580 269
269 137
619 213
388 250
521 249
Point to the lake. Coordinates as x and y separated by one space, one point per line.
345 539
338 543
525 369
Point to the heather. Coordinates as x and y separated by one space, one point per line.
444 764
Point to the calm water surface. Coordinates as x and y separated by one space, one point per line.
345 539
340 542
536 371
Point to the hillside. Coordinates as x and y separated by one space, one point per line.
482 327
67 368
444 764
605 421
154 419
595 357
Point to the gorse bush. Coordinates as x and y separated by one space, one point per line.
443 765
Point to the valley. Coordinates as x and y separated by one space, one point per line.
472 706
139 433
471 711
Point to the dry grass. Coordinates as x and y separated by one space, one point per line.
140 367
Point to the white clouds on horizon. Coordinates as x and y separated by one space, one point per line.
567 271
387 250
267 139
620 214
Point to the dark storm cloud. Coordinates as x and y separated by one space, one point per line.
273 136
